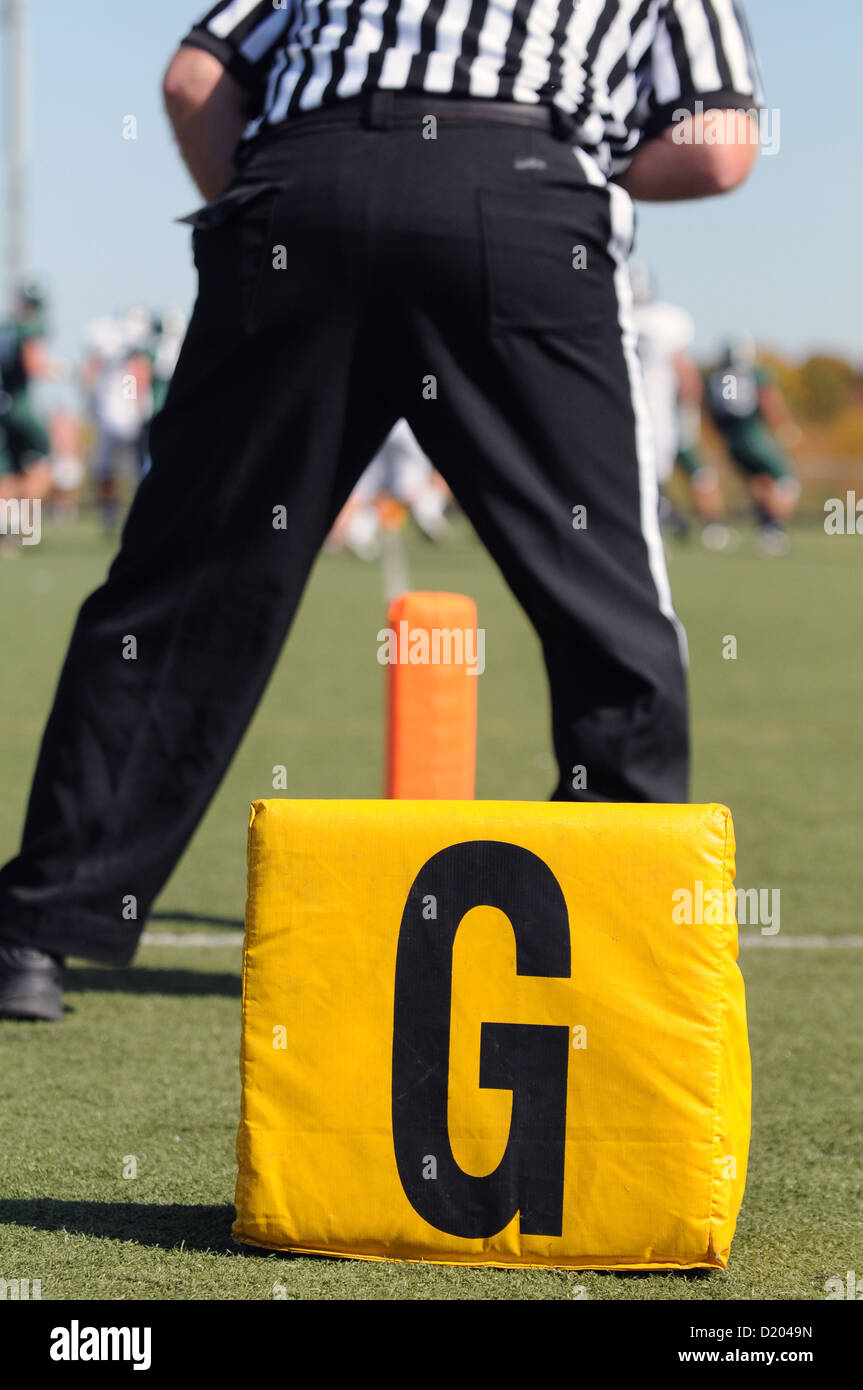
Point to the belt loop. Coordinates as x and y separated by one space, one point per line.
562 123
378 109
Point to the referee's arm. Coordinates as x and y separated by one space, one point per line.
208 111
701 132
717 156
213 86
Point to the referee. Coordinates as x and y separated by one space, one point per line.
418 209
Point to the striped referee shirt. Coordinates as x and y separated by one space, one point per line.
620 68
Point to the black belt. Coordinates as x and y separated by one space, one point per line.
386 110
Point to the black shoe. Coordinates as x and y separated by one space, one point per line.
30 983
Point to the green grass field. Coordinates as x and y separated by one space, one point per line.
146 1063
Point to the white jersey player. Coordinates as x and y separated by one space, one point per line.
665 332
402 471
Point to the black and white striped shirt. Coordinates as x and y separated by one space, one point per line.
621 68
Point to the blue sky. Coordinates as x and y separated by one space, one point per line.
780 257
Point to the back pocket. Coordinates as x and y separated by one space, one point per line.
228 205
547 265
231 243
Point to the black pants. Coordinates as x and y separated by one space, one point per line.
474 283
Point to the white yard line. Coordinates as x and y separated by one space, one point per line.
169 938
748 939
802 943
395 578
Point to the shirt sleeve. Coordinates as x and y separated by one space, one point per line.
702 58
243 35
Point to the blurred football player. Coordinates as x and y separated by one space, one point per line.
750 414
